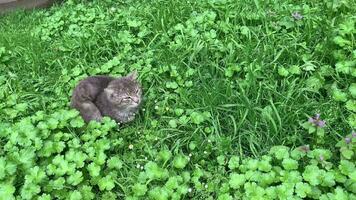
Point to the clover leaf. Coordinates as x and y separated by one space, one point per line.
234 162
75 179
77 122
180 161
115 162
106 183
236 180
7 190
290 164
312 174
280 152
94 169
153 171
75 195
139 189
302 189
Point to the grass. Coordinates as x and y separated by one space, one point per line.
220 77
256 108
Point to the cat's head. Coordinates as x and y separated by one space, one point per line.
125 92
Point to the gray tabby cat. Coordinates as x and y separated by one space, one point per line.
121 99
98 96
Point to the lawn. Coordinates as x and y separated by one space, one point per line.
236 94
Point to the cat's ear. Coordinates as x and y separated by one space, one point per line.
133 75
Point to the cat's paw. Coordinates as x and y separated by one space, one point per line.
130 118
98 118
125 119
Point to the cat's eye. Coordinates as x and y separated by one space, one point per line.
114 95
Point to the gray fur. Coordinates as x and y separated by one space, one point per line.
98 96
121 99
85 93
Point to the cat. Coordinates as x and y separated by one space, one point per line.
121 99
84 95
94 90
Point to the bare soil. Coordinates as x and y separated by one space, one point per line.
7 5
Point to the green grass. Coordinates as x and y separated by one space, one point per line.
236 51
257 104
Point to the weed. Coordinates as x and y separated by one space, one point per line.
225 83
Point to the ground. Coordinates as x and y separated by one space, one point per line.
221 78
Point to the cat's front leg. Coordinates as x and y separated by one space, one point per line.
130 117
121 118
89 112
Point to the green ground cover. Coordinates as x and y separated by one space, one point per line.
226 83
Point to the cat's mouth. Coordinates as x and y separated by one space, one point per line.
134 104
135 100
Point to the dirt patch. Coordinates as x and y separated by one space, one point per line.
8 5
